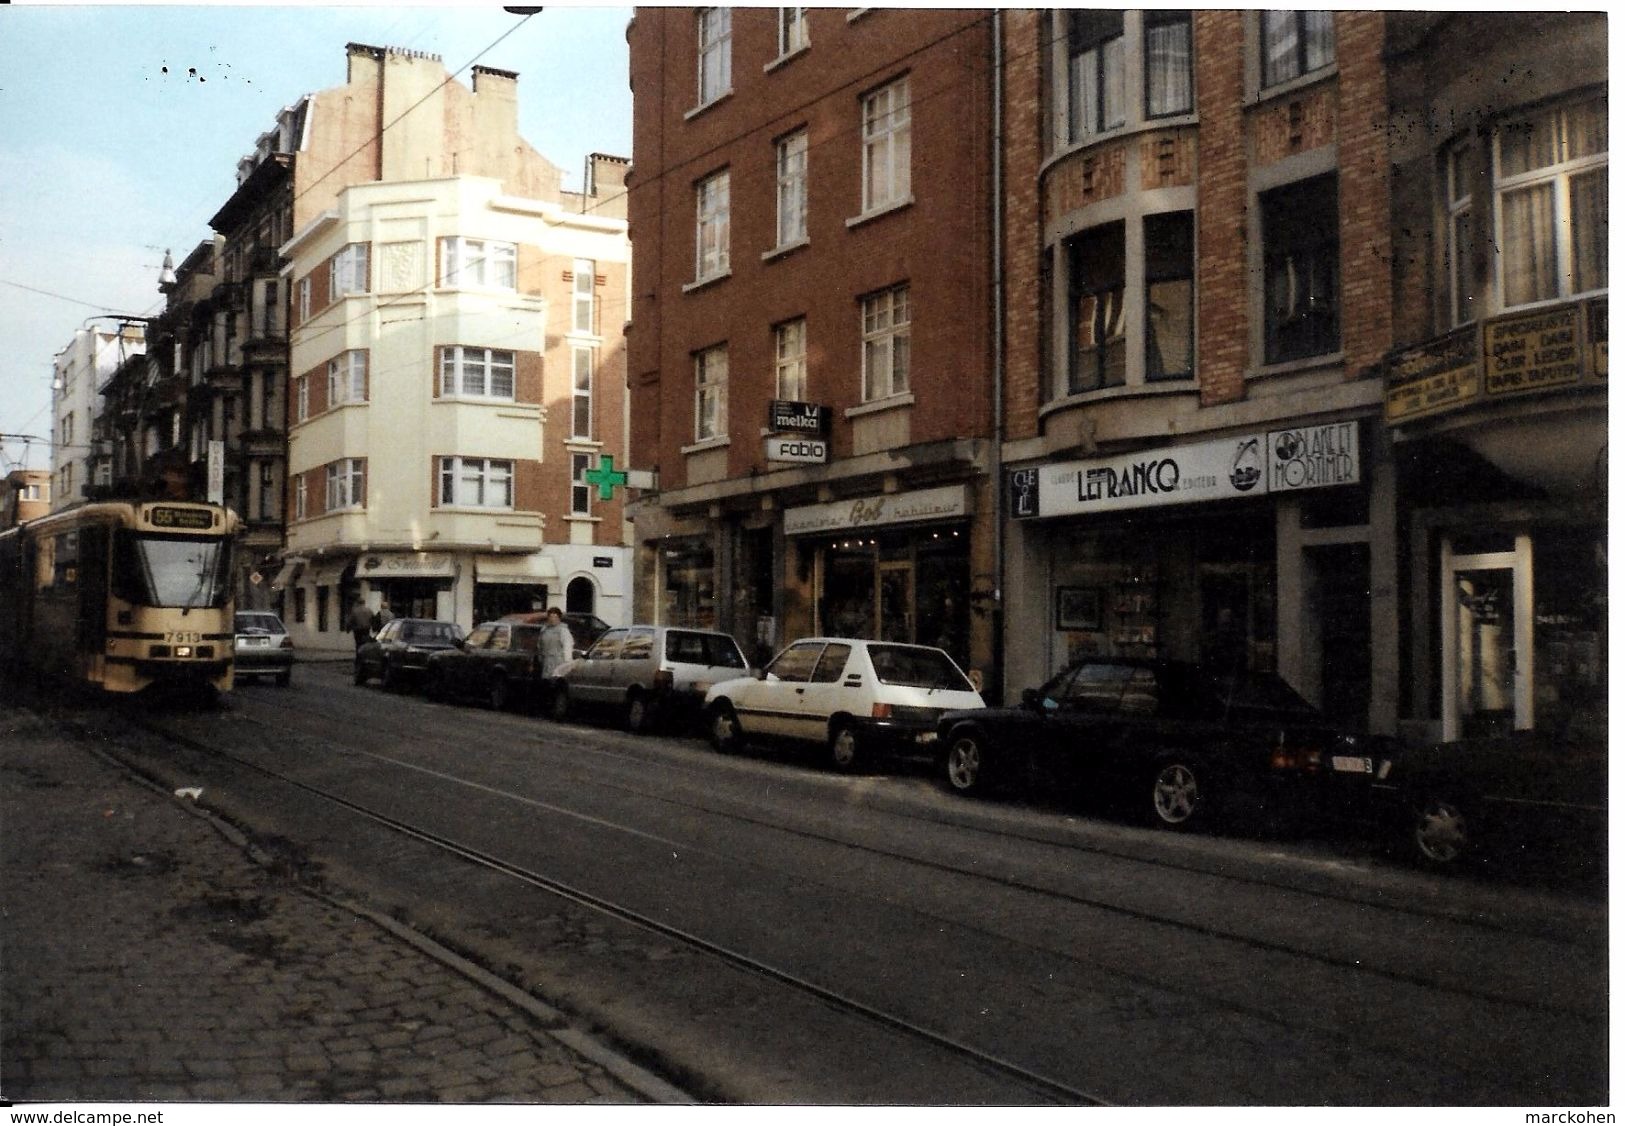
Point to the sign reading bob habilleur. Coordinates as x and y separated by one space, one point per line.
1278 461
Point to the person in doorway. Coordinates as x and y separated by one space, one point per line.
555 646
361 622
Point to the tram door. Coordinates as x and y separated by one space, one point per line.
1488 634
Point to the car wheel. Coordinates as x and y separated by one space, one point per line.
558 708
284 678
499 695
1440 831
967 764
637 713
1176 795
845 747
726 735
360 672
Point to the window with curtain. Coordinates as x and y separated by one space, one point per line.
1301 282
1167 63
887 146
300 497
792 171
711 394
476 482
1170 290
346 483
301 398
347 378
485 373
1294 43
790 365
1095 73
1099 348
473 262
887 341
716 44
711 227
1551 184
348 271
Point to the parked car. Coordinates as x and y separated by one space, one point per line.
400 652
650 674
584 628
497 663
262 646
1537 795
1175 739
855 697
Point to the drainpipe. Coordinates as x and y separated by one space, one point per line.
997 460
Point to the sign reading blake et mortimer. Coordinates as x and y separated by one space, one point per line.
786 417
1279 461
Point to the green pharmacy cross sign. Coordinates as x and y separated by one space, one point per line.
606 476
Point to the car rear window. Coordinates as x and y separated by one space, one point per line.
1261 691
917 666
267 623
428 631
714 649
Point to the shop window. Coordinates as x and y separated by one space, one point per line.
1551 183
688 586
1301 284
299 604
1571 632
1098 345
1095 73
1294 43
1167 63
321 609
1170 290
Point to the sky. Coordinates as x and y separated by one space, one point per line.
121 128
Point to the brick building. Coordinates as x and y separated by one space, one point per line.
810 339
455 363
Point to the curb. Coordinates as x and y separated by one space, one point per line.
634 1076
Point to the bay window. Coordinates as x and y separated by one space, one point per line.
1294 43
1095 72
476 482
1099 346
1551 193
347 378
1167 63
348 271
346 483
1170 289
472 262
485 373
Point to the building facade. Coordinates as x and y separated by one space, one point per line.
456 376
27 497
79 371
810 335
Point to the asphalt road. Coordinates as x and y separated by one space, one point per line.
762 930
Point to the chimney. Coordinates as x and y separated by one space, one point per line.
496 104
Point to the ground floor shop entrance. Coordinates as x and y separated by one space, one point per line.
909 586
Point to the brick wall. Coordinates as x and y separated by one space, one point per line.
1363 199
1025 36
1221 209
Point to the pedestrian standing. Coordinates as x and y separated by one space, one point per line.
361 622
556 645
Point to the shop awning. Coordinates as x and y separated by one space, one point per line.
528 570
406 565
288 574
329 573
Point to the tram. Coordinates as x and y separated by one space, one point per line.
120 595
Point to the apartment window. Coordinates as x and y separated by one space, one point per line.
886 146
1095 72
1459 235
1294 43
301 497
716 65
792 30
581 393
792 164
476 482
67 429
1167 63
581 311
790 365
267 507
347 378
484 373
349 270
711 227
580 491
479 263
304 299
711 394
346 484
268 304
1551 185
1099 345
301 398
885 344
1170 290
1300 270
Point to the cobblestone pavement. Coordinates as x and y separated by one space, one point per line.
147 958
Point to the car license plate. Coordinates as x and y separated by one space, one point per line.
1351 764
259 640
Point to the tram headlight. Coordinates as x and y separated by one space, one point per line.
183 650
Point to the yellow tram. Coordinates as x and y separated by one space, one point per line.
121 595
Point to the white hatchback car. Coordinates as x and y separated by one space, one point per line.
853 696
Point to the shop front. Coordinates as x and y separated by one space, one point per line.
1247 553
415 584
511 583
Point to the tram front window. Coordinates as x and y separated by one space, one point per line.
182 571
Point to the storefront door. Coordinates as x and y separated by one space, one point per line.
895 603
1488 635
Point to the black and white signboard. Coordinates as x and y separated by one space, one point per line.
796 449
787 417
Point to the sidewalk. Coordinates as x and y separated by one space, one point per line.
147 958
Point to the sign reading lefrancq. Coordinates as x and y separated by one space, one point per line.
1532 351
1304 457
1433 376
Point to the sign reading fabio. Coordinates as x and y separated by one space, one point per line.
1305 457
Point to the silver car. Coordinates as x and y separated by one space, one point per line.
262 646
649 674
